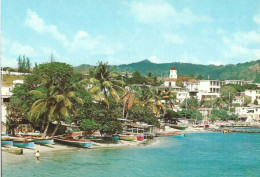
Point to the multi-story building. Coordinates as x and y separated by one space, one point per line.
253 94
239 82
211 86
252 113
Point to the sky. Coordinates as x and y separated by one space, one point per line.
121 32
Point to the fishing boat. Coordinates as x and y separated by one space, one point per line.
128 137
7 141
179 127
140 137
44 141
74 142
179 136
167 134
23 142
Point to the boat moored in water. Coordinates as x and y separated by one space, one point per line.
167 134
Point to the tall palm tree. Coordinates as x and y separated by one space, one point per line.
103 83
51 105
128 100
169 97
158 107
145 96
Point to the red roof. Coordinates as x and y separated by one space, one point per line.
173 68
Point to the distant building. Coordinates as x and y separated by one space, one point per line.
252 113
253 94
239 82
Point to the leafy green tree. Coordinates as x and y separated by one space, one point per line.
171 116
179 83
143 114
250 86
90 126
190 114
247 100
199 77
137 78
255 102
190 103
11 124
104 83
228 93
157 106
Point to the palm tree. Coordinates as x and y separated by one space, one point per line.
145 96
128 100
103 83
158 107
169 97
51 105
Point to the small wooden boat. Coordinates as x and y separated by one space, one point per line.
128 137
44 141
179 136
168 134
74 142
140 137
7 141
23 142
178 127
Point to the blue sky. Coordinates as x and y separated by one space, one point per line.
85 32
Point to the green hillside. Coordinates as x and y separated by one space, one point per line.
243 71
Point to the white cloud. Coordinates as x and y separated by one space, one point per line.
216 63
257 19
38 24
160 11
242 45
187 58
11 50
81 42
93 45
154 59
173 38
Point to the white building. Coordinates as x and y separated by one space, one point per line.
253 94
203 95
249 112
239 82
210 86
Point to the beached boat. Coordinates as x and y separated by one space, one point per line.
44 141
74 142
7 141
179 127
23 142
128 137
168 134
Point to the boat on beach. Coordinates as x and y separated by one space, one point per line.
128 137
167 134
74 142
44 141
7 141
179 127
23 142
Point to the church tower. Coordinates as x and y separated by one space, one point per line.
173 73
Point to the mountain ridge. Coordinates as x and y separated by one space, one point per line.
240 71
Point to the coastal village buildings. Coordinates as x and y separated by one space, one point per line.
253 94
250 114
5 96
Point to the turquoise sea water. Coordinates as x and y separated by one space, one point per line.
197 154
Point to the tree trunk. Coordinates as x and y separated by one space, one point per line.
56 128
13 131
46 129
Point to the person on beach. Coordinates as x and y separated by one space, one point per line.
37 155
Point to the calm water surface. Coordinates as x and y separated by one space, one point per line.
198 154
